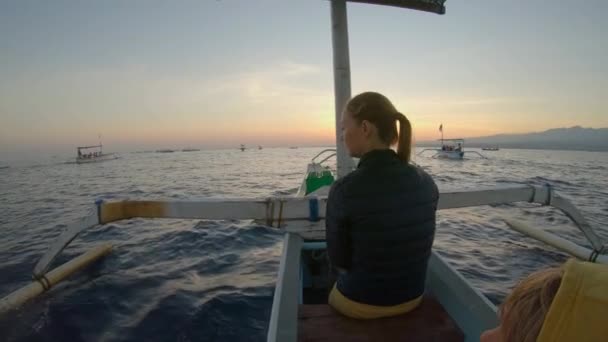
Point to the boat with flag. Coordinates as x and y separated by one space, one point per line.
452 308
452 148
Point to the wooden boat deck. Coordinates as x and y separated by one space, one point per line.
428 322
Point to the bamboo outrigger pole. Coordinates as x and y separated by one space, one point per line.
48 280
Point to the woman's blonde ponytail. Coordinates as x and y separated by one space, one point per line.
404 144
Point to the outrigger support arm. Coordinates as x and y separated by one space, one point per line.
70 233
426 149
479 154
283 209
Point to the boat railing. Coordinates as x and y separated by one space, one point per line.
283 325
281 211
327 154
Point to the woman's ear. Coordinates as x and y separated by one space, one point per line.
367 128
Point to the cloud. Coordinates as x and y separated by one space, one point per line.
443 101
297 69
282 82
72 105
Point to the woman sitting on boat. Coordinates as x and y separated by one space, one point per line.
380 217
569 303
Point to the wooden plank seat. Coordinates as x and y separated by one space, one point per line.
428 322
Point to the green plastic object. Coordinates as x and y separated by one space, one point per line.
316 180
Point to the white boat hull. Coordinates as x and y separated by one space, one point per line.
450 154
101 158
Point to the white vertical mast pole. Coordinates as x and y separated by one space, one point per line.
339 35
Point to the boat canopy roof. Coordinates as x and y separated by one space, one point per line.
433 6
87 147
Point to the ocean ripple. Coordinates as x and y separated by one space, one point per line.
187 280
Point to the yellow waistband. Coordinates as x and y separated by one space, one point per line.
358 310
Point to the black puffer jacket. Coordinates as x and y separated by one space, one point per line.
380 229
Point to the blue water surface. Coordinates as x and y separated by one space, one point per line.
187 280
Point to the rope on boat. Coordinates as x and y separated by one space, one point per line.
269 212
280 213
270 206
597 253
46 281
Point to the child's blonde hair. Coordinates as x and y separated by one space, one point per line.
523 311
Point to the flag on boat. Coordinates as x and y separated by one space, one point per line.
441 128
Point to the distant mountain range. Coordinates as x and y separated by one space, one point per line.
573 138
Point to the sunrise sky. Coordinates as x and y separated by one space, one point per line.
151 74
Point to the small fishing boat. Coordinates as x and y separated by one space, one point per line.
259 147
189 149
450 149
92 154
165 150
242 148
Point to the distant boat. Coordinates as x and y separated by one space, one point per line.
165 150
450 148
490 148
259 147
96 154
190 150
4 167
242 148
